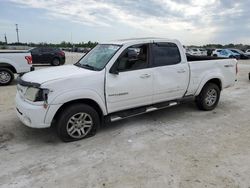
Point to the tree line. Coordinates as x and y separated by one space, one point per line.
213 46
91 44
63 44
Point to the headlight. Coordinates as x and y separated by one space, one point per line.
36 94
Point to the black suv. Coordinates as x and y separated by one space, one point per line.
47 55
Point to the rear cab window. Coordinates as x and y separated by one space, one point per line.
165 54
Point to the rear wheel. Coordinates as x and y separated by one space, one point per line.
56 62
208 97
77 122
6 76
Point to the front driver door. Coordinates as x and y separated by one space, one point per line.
132 86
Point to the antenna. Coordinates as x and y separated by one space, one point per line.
17 33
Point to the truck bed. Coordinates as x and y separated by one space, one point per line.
202 58
202 70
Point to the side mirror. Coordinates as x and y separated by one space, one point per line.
114 69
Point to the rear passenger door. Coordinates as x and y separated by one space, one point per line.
170 72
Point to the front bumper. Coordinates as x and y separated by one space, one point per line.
29 114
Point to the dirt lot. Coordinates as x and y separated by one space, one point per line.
176 147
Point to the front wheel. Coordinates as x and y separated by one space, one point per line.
208 97
76 122
6 76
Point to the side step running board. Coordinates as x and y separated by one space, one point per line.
138 111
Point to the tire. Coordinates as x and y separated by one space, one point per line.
77 122
55 62
6 76
215 55
209 97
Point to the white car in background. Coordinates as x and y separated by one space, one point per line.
248 52
197 51
216 52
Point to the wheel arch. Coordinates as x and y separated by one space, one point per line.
8 66
87 101
216 81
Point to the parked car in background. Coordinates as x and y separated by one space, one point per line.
13 62
117 80
225 53
243 55
196 51
216 52
247 52
210 51
203 51
47 55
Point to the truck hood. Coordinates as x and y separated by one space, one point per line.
55 73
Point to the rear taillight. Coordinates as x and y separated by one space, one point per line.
29 59
61 53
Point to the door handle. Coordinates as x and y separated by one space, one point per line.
228 66
181 71
145 76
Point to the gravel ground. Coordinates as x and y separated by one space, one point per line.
176 147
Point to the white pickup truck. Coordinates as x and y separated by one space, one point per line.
117 80
13 62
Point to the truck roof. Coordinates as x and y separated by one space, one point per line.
139 40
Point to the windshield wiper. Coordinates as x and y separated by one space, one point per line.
89 67
78 64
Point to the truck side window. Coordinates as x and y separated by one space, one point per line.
165 54
133 58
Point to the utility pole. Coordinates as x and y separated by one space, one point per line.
17 33
5 37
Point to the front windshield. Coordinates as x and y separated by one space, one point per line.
97 58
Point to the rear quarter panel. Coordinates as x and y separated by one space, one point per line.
203 71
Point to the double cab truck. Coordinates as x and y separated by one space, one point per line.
13 62
117 80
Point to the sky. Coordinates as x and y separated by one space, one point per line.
193 22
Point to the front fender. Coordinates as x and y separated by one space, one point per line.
72 95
